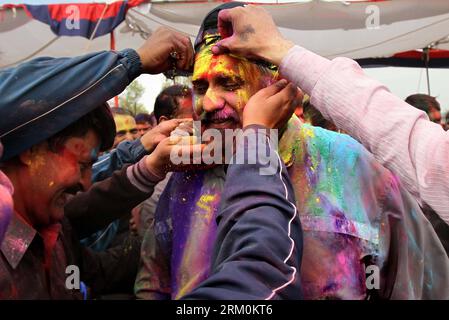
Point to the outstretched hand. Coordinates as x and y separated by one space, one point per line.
164 48
163 130
272 106
250 32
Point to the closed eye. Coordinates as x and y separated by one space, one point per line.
230 83
200 86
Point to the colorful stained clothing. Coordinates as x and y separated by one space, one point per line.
354 213
37 259
33 264
401 137
258 247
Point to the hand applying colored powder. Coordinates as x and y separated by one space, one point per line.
250 32
272 106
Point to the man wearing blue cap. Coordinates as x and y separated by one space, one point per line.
55 121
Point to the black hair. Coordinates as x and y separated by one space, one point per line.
209 34
423 102
143 118
167 103
313 116
99 120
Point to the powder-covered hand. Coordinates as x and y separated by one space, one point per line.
272 106
179 152
250 32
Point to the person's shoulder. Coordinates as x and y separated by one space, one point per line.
343 150
333 142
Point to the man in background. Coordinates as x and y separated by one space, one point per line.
144 122
428 104
174 102
126 128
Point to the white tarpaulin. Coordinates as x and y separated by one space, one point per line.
355 30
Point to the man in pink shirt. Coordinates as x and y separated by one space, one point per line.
401 137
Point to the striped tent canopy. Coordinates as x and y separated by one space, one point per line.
390 32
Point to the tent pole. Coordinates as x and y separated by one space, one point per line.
112 48
426 57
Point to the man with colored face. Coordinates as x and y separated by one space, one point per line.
51 135
174 102
51 172
126 128
222 86
45 177
355 214
145 122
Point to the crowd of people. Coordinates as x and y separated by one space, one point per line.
330 187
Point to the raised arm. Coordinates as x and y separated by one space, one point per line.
401 137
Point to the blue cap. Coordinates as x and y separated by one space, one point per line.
42 97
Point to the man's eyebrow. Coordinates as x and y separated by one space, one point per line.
199 81
234 77
222 74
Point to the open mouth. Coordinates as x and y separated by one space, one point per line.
228 123
220 121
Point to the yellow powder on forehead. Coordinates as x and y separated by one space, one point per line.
124 122
205 61
202 62
248 71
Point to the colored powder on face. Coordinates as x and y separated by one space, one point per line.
341 258
37 163
124 122
202 64
208 65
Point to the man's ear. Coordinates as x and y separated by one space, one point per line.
26 157
29 156
163 118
